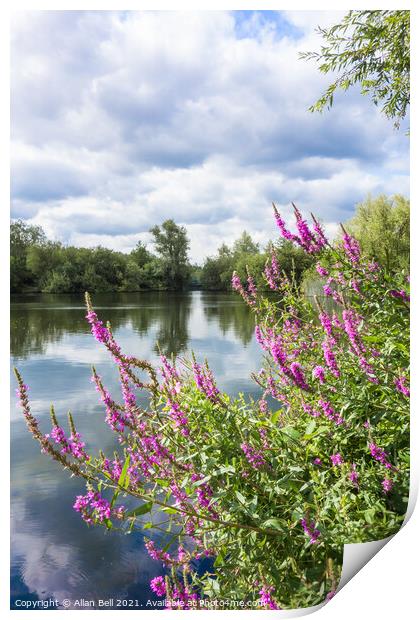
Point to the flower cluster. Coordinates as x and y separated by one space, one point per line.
336 459
310 530
254 457
94 508
400 384
69 445
311 241
158 586
266 598
205 381
380 455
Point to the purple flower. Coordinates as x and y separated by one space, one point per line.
306 237
317 462
93 507
205 382
266 598
116 418
158 586
400 295
282 227
318 373
354 476
237 286
351 248
252 289
72 445
182 555
179 417
321 270
259 337
99 331
336 459
387 485
298 376
76 446
272 273
204 492
330 358
310 410
351 323
278 354
236 282
400 385
310 530
263 406
379 455
326 323
321 240
157 554
327 290
254 457
171 379
329 412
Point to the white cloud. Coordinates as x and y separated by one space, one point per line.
121 120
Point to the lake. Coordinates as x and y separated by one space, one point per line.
54 553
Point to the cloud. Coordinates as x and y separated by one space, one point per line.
120 120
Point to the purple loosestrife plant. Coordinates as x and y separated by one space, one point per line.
270 494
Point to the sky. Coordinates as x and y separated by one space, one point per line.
121 120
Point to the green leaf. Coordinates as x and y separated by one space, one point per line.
274 524
197 483
291 432
122 480
310 428
140 510
275 416
369 515
219 560
240 497
226 469
170 511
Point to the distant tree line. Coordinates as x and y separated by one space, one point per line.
38 264
381 224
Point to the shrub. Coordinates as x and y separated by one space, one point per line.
270 494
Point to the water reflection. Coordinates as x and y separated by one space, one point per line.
53 552
41 319
230 316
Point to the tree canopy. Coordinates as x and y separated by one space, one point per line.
382 227
172 244
370 48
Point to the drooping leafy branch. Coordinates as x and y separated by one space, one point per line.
370 48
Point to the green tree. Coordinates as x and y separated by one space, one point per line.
382 227
22 237
41 260
370 48
133 280
140 255
245 245
217 270
172 245
293 260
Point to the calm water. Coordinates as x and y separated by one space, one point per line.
54 554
